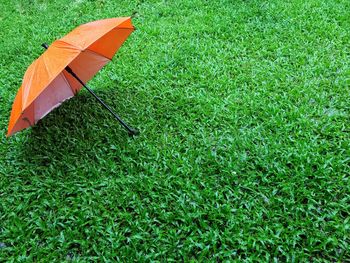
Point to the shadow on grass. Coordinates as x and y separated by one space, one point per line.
79 132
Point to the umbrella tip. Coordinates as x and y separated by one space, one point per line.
44 45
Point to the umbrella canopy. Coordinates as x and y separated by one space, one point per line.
46 83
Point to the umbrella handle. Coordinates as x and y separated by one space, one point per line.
131 131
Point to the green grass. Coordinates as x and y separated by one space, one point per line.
244 151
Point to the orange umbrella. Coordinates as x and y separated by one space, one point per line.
64 68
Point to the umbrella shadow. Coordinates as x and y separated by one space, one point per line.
79 131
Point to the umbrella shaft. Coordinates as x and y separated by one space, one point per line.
70 71
130 130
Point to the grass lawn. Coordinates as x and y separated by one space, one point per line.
244 152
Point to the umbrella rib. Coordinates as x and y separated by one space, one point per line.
25 92
69 44
98 54
66 80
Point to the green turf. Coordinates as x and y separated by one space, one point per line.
244 151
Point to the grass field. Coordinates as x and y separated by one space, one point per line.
244 152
